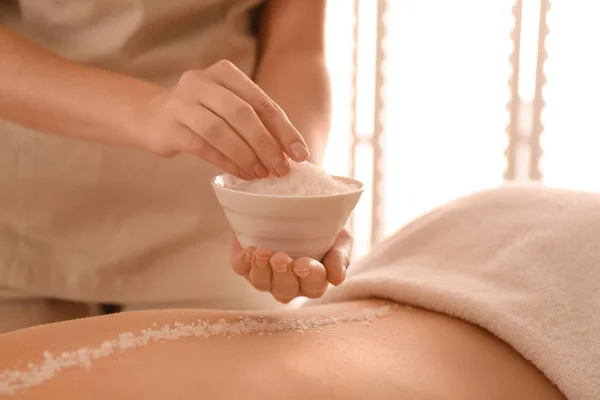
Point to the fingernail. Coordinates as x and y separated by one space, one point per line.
247 257
261 171
302 273
280 267
299 151
262 258
262 262
281 167
246 176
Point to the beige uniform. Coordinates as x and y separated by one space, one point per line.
90 223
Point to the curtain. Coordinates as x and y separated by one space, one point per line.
435 99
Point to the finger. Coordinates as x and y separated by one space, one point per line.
312 277
219 134
246 123
335 264
284 286
260 270
195 145
337 260
272 116
241 261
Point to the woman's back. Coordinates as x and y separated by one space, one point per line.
406 353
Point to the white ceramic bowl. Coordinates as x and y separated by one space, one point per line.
302 226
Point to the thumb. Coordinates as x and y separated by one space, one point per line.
337 260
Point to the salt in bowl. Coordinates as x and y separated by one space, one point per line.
300 225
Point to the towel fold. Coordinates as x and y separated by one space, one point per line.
521 262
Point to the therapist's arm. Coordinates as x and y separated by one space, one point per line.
42 91
215 113
292 69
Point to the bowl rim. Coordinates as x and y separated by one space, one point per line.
359 189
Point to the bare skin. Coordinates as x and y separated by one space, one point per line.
285 278
216 113
409 354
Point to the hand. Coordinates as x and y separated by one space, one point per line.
221 116
287 279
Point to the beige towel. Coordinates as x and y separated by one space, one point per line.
521 262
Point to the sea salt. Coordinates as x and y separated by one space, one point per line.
304 179
15 380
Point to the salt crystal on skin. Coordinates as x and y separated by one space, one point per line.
304 179
14 380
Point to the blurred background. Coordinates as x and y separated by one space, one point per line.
434 99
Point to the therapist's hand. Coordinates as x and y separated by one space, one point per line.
287 279
223 117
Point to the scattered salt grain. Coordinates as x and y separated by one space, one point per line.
304 179
14 380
